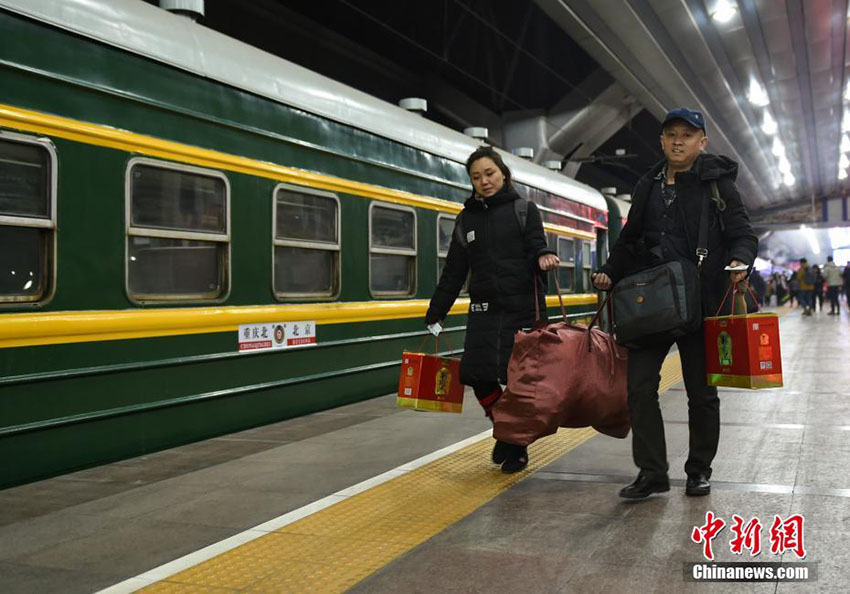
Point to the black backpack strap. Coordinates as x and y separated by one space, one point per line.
702 239
521 211
719 202
460 235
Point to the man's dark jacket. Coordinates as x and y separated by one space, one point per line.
730 235
502 259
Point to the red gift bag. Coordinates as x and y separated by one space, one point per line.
430 382
742 351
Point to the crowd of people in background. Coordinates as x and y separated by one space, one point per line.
807 287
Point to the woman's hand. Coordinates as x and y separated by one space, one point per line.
601 281
548 261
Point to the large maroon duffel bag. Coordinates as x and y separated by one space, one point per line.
563 375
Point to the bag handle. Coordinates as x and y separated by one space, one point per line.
609 337
607 301
537 317
733 287
436 343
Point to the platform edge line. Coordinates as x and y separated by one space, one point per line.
170 568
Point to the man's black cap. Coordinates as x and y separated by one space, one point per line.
691 116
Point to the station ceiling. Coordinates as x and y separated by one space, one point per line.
586 82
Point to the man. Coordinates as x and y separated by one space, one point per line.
832 276
806 283
664 223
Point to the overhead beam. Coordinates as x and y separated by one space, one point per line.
588 116
604 29
839 73
752 25
714 112
718 52
797 23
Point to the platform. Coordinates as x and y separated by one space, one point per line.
377 499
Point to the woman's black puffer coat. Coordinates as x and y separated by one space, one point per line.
502 259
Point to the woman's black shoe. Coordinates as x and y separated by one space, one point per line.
500 451
516 459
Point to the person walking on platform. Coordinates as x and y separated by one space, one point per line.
847 284
664 225
806 285
817 289
499 242
832 275
793 290
781 288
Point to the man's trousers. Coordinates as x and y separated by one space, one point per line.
649 448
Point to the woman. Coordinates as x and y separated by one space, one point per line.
502 255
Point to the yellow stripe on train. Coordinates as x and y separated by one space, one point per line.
29 329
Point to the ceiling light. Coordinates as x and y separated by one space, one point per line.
723 12
813 239
769 126
757 95
788 180
847 91
778 150
845 121
784 165
839 237
842 174
843 162
845 144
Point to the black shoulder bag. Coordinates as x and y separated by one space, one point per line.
661 303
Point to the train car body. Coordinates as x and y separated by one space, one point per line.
618 214
169 196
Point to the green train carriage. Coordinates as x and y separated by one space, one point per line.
151 205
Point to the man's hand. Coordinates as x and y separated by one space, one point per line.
601 281
548 261
737 277
435 328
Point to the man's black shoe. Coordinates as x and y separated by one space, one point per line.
500 452
697 485
643 487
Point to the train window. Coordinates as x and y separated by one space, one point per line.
27 218
392 250
178 232
445 229
566 269
306 243
588 262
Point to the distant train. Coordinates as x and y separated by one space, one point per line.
198 237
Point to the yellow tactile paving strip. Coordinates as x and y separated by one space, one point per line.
332 550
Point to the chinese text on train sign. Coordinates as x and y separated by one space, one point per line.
277 335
